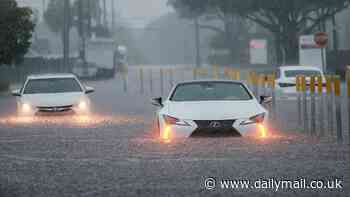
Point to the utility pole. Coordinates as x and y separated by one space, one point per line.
99 13
89 18
335 34
113 16
197 37
81 31
66 18
44 8
104 13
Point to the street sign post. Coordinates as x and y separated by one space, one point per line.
258 51
312 50
321 40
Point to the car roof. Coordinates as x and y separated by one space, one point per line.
51 76
300 68
209 80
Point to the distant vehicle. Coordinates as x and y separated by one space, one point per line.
286 79
210 108
120 58
52 93
106 52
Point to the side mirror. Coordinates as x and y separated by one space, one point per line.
16 93
89 90
158 102
265 99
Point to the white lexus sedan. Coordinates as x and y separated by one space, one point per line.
210 108
52 93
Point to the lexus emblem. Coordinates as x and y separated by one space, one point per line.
215 124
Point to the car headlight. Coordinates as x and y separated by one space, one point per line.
82 105
174 121
255 119
26 107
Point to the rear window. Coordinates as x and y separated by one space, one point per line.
307 73
54 85
210 91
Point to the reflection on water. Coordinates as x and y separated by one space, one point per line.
72 121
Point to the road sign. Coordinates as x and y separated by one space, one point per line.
321 39
258 51
310 53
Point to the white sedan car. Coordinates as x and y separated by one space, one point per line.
286 79
52 93
210 108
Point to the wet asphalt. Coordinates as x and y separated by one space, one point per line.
115 153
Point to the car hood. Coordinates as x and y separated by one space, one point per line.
213 110
52 100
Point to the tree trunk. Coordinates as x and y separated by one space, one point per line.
287 45
4 86
279 50
335 34
232 47
291 48
232 41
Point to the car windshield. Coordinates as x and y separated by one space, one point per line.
49 86
210 91
307 73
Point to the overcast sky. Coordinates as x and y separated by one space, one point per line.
142 11
135 12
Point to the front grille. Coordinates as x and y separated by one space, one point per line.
215 128
55 108
206 123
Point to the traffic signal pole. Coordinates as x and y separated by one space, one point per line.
197 37
81 29
105 13
113 16
66 43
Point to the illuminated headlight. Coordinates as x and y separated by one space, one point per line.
26 107
174 121
167 134
255 119
82 105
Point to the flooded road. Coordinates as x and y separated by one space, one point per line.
114 152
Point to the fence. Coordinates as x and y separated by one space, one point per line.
318 110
